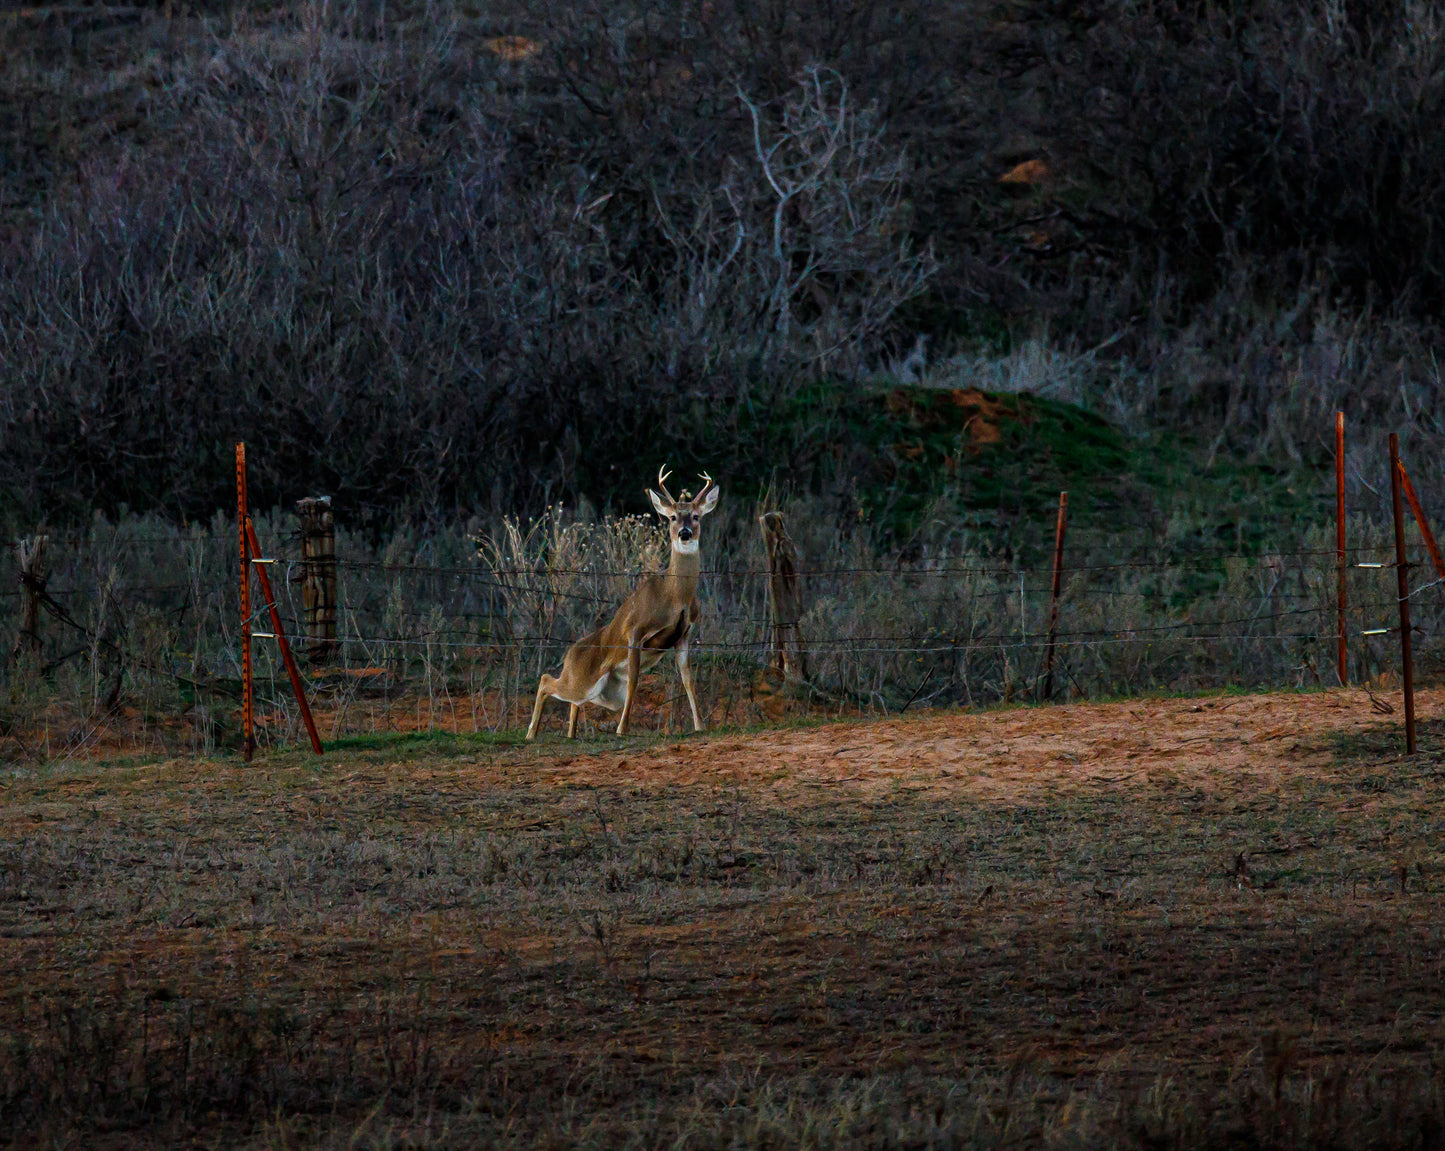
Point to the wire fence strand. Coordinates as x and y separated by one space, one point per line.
154 619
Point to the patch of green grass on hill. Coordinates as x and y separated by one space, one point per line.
995 463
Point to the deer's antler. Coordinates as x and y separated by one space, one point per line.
662 474
707 485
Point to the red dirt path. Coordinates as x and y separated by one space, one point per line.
1005 756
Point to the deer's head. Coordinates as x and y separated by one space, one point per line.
683 516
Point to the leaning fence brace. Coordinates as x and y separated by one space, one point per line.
250 550
279 635
1431 548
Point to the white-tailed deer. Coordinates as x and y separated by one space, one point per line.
604 666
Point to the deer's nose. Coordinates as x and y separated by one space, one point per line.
684 533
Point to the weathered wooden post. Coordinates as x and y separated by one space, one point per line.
32 584
789 655
318 575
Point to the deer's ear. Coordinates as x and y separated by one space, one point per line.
709 503
664 508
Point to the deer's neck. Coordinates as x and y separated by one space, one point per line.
685 565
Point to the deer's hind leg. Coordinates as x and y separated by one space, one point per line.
634 673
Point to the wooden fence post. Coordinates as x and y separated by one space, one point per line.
789 655
32 583
1054 597
318 575
1340 542
1402 570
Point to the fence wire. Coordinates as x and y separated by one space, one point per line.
449 634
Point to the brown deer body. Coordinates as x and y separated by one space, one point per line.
603 667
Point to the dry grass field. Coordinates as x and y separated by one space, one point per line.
1176 922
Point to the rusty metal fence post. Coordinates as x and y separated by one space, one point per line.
1340 543
1402 571
1059 530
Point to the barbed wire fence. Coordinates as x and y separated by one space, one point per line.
139 641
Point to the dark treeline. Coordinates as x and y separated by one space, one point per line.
441 260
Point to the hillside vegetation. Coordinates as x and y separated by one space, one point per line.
448 257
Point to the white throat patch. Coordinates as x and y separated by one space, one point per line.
685 547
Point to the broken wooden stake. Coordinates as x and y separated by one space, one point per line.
789 656
318 575
32 585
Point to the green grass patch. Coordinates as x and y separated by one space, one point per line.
995 463
422 743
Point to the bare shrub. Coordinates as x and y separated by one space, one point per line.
416 295
560 576
1290 134
836 249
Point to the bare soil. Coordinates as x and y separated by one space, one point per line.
1018 755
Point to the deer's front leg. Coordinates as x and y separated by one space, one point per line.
634 673
544 689
572 720
684 671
